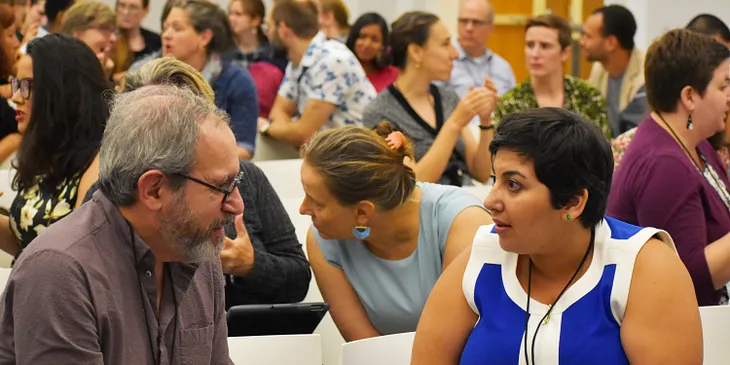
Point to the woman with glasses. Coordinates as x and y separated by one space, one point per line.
60 92
134 41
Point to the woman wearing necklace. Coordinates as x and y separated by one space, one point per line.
553 281
432 116
670 177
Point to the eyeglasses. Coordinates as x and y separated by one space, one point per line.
476 22
226 192
24 85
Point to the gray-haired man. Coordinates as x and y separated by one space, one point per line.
133 276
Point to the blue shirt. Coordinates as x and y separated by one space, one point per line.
329 72
235 93
584 327
393 293
469 71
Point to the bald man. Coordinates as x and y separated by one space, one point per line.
476 23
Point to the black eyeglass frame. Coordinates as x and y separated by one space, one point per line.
226 192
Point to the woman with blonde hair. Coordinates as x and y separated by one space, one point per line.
267 263
379 240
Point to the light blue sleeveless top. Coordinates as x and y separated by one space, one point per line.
394 292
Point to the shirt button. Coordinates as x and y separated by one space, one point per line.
148 273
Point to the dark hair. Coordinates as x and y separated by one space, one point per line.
569 155
68 115
553 21
7 19
54 7
710 25
620 23
300 16
255 9
357 164
678 59
207 15
413 27
383 60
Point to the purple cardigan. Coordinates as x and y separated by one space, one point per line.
657 185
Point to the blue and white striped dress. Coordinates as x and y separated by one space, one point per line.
583 328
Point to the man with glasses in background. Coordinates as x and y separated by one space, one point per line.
476 61
133 276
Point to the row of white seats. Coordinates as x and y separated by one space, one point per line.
306 350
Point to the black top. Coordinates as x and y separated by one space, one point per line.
8 124
281 271
152 43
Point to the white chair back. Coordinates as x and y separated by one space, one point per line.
268 149
276 350
284 176
383 350
4 276
715 326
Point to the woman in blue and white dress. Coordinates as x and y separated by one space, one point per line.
553 281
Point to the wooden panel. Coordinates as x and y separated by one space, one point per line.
512 6
508 41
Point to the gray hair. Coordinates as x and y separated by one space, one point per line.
152 128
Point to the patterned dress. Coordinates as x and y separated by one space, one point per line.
33 209
580 97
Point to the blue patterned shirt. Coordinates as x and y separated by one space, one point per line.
329 72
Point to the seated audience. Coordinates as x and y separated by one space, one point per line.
670 177
379 240
369 40
714 27
553 281
266 264
197 32
334 19
433 116
475 60
618 69
547 47
253 51
134 41
54 12
324 85
133 276
60 93
9 136
94 23
29 15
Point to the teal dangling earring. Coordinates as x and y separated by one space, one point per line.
361 232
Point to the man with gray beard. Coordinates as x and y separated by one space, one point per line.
133 276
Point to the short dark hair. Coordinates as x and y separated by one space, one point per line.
68 115
556 22
54 7
413 27
620 23
710 25
569 155
363 21
300 16
678 59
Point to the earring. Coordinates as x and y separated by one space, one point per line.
689 122
361 232
568 217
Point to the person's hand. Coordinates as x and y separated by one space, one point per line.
487 107
30 31
262 122
237 257
6 91
106 61
469 106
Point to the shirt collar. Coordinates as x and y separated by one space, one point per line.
314 50
463 56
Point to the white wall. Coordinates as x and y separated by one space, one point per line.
654 17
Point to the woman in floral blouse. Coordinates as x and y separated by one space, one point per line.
61 111
548 40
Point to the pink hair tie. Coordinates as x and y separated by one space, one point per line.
395 140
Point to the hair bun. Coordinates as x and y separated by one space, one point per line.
396 140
